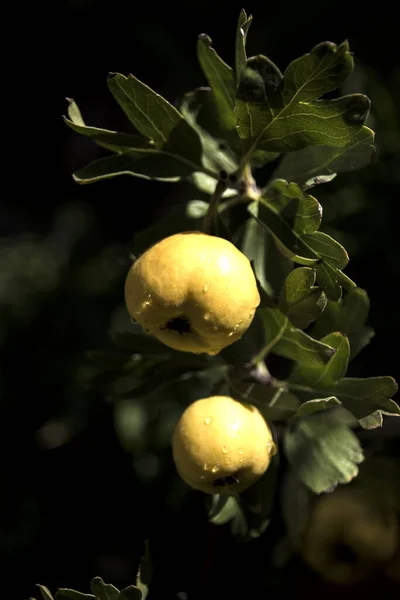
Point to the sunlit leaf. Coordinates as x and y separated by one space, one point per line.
283 114
364 396
103 591
242 30
45 592
328 280
323 451
316 405
321 161
331 252
300 347
223 509
323 376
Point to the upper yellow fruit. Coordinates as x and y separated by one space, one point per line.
347 535
221 446
194 292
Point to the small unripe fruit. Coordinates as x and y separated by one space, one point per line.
194 292
222 446
347 535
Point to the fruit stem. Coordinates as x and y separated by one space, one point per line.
213 207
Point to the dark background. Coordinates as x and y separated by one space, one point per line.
71 505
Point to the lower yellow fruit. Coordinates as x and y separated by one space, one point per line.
194 292
347 535
222 446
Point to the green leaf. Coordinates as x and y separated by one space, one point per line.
328 249
347 316
221 79
299 300
316 405
300 347
205 183
66 594
45 592
328 280
103 591
365 396
319 161
323 376
112 140
323 451
242 30
223 509
146 164
155 117
274 324
130 593
199 110
282 114
289 214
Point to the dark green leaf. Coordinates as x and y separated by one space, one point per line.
300 347
221 79
272 114
364 396
270 266
318 161
323 451
103 591
223 509
155 117
242 29
311 76
295 503
316 405
45 592
112 140
328 280
274 324
289 214
65 594
323 376
199 110
130 593
299 300
147 164
328 249
347 316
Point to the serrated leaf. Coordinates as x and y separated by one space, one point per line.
103 591
45 592
66 594
323 452
328 280
199 110
155 117
347 316
328 249
223 509
242 29
130 593
289 214
364 396
323 376
146 164
282 114
320 161
299 300
300 347
316 405
112 140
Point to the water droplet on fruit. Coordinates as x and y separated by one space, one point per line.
207 316
215 468
206 287
225 449
208 420
240 450
207 466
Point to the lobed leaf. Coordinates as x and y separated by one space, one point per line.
300 300
316 405
103 591
323 451
323 376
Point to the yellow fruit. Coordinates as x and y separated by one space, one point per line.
347 535
221 446
194 292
